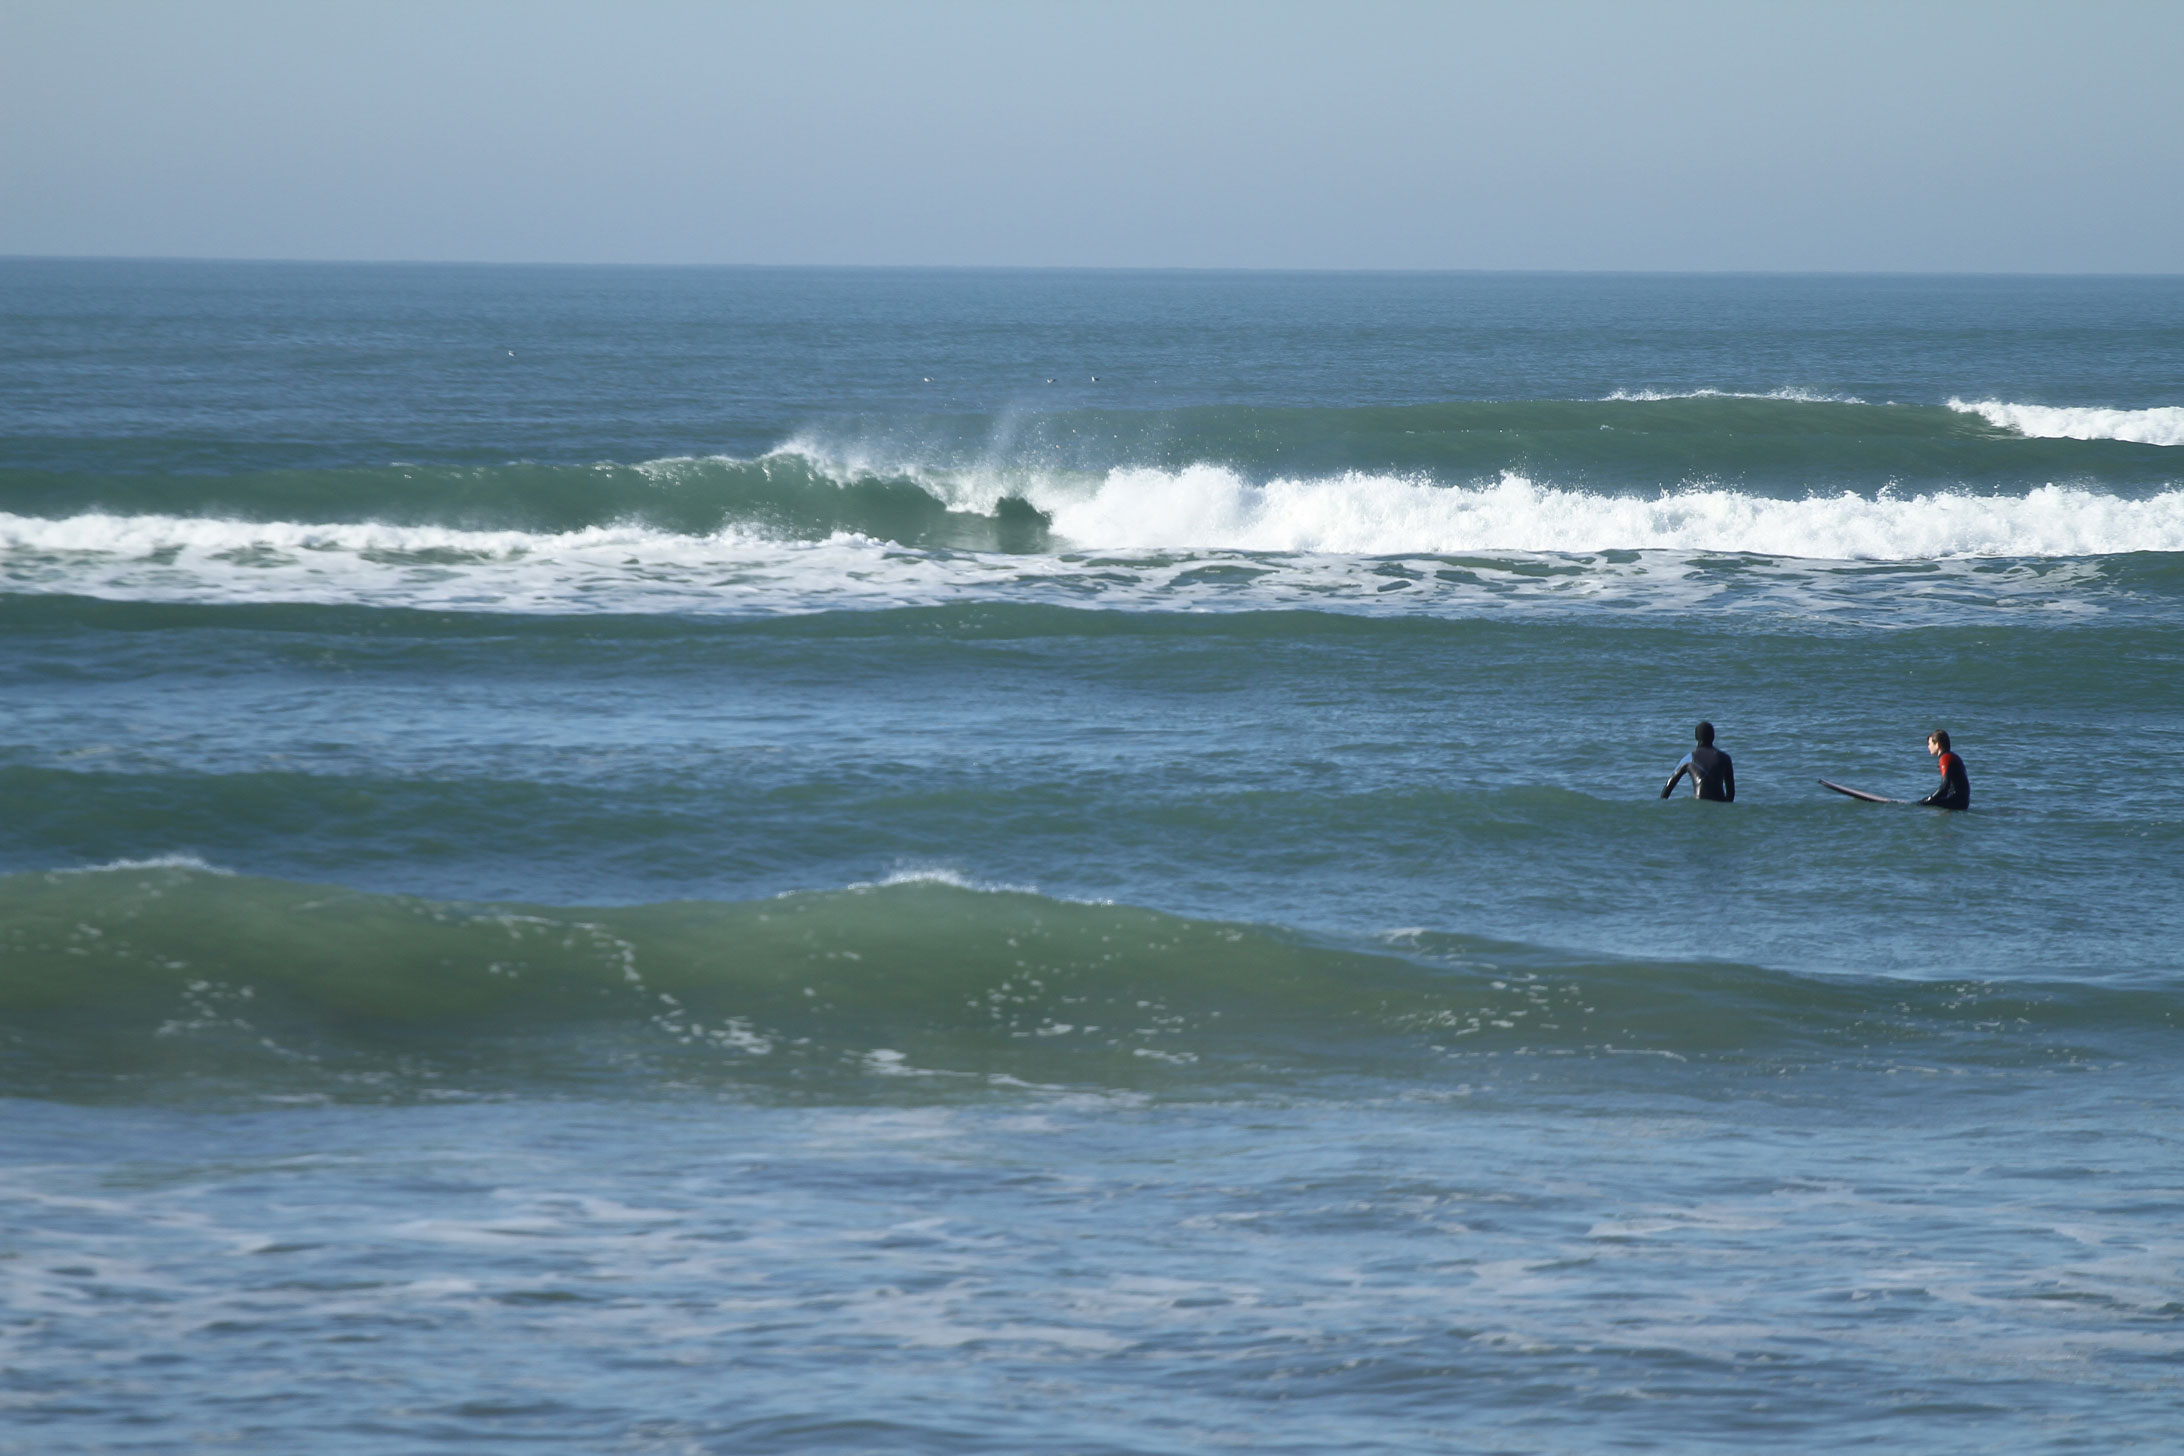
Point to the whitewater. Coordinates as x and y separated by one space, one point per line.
1138 536
2162 426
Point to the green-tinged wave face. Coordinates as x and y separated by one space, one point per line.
135 976
782 495
994 482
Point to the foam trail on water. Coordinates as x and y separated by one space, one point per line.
1211 506
151 862
2160 426
150 535
1787 393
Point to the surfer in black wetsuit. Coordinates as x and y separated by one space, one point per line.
1712 775
1956 786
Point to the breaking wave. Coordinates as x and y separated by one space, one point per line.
1210 506
1063 537
2163 425
1177 509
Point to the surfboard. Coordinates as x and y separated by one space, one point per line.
1861 794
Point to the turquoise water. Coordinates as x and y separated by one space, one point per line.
729 860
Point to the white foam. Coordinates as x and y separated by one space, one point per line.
1787 392
155 535
938 875
2163 425
956 880
155 862
1212 506
1196 538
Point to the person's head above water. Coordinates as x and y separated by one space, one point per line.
1938 741
1704 733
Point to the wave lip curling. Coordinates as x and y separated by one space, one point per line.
2162 425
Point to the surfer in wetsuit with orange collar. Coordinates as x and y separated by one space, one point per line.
1956 786
1712 775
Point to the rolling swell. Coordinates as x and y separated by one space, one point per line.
1785 444
1198 508
1628 438
133 975
1215 506
511 507
902 479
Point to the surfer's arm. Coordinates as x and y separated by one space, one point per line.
1728 781
1953 794
1955 791
1681 769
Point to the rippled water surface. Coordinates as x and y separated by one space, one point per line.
747 860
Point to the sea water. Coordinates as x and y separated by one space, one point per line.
767 860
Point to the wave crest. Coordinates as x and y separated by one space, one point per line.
1215 508
2163 425
1199 537
1209 506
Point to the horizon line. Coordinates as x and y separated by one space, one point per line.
1210 268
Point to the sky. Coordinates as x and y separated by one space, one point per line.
1826 135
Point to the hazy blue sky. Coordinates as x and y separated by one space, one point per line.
1357 135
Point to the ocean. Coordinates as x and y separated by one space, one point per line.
762 860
